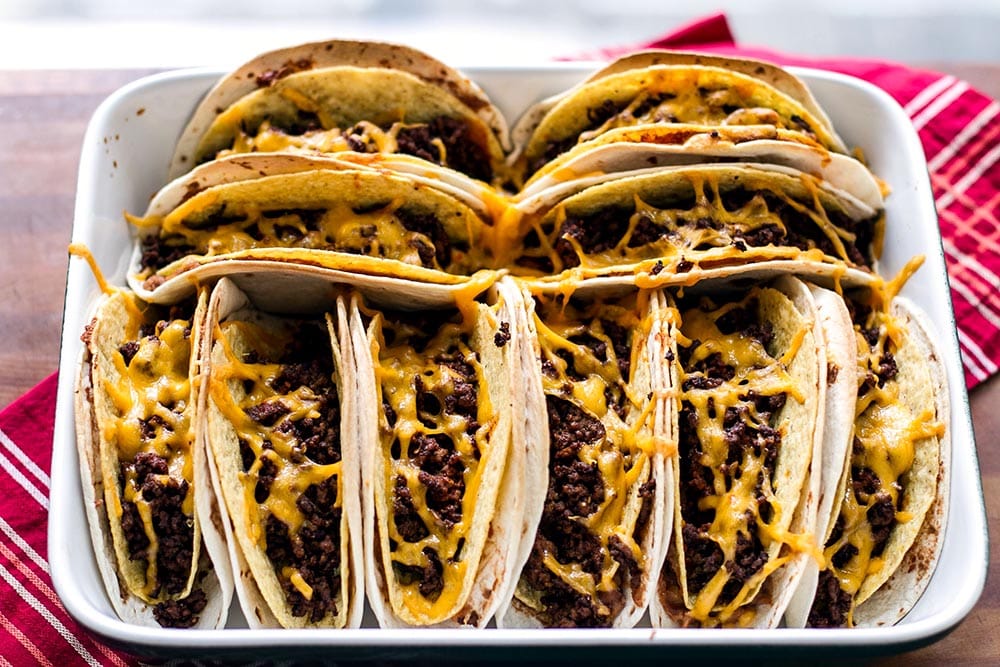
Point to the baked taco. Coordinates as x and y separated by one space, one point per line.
664 87
885 531
278 408
444 485
601 536
337 96
751 376
358 225
679 225
145 478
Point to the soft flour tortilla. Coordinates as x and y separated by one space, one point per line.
789 307
493 539
362 55
114 323
260 592
647 380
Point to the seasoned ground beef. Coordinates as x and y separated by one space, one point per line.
265 478
313 551
268 77
181 613
128 351
148 463
268 412
882 517
462 153
844 555
404 515
606 228
502 336
595 234
173 528
831 604
442 473
646 231
564 606
750 557
174 531
418 141
646 492
430 576
136 539
621 553
702 556
429 226
576 489
570 428
620 344
159 252
307 362
463 399
864 482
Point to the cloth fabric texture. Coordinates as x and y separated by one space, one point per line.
960 131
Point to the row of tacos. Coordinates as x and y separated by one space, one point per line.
375 160
729 458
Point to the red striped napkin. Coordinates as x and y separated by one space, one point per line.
960 130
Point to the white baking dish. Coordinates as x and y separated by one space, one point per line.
126 153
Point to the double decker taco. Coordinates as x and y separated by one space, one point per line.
752 376
884 532
599 541
335 96
444 490
145 479
662 87
352 223
278 409
629 149
679 225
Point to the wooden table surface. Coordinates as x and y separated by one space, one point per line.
43 115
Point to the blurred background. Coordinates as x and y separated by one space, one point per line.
144 33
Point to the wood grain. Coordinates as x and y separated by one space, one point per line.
43 115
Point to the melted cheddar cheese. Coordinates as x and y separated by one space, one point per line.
581 366
741 483
422 373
